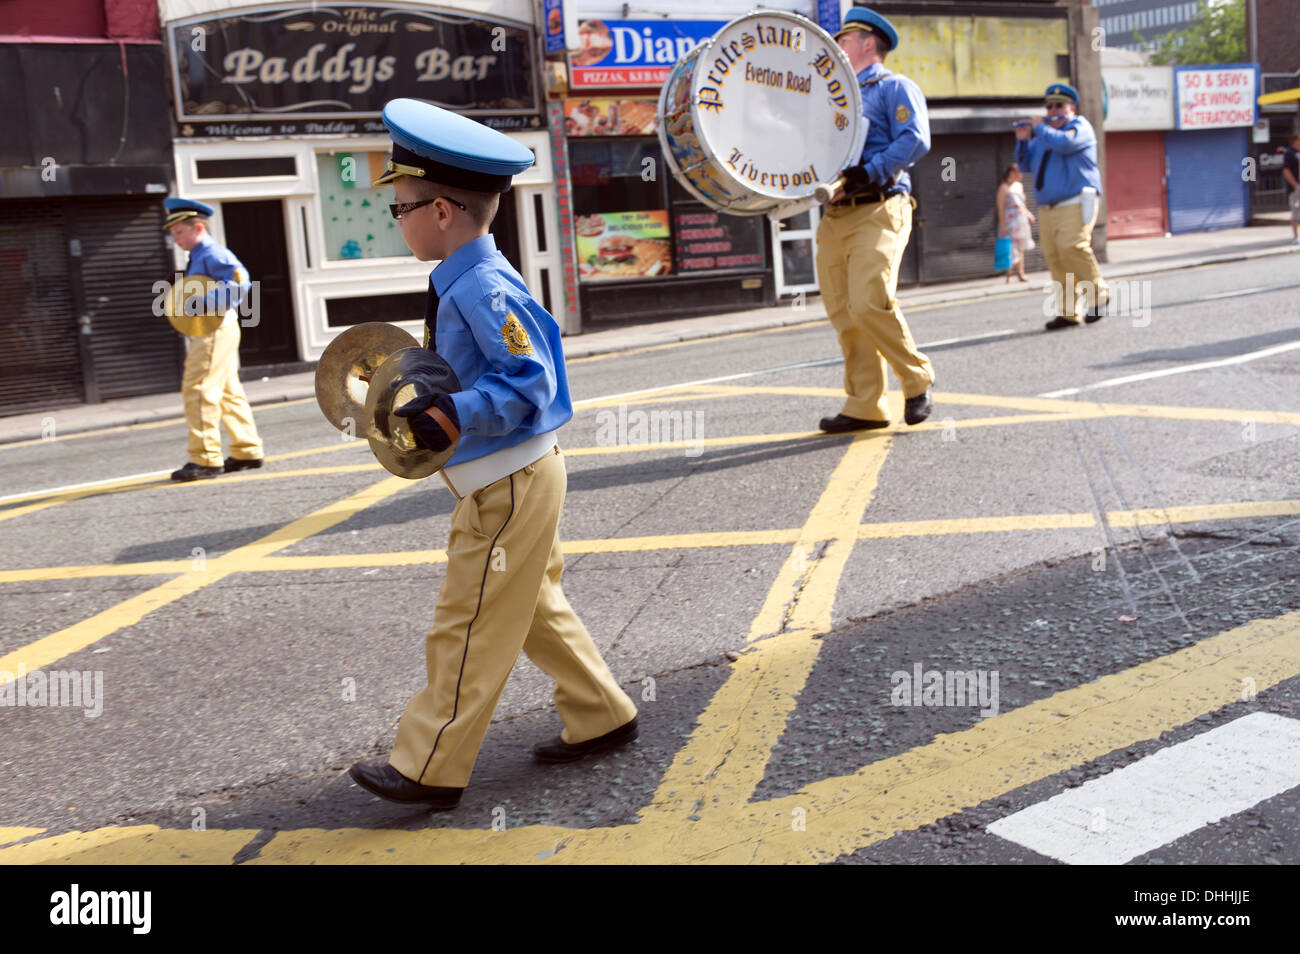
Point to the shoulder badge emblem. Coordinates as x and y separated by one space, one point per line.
903 113
514 337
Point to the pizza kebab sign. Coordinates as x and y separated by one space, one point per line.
310 63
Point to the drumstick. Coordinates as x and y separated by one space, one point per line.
824 191
821 195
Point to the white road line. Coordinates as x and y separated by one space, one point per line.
824 362
1236 292
1158 799
1184 369
984 337
92 483
718 380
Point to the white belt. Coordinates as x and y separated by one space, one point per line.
473 475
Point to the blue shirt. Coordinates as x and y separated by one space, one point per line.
1071 166
505 349
898 130
219 263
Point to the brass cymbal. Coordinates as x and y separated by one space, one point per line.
345 369
391 440
186 308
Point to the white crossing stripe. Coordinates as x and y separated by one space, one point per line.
1171 793
1181 369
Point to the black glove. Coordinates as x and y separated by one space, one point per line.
426 430
856 180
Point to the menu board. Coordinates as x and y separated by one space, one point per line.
711 241
623 245
609 117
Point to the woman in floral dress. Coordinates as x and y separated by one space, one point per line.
1015 219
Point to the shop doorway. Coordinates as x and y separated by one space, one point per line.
1135 184
505 229
795 242
254 231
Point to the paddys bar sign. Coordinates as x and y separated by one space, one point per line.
300 69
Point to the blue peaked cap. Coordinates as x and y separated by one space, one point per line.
444 147
178 210
860 18
1061 93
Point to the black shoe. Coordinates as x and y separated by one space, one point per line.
557 750
193 471
1057 323
1096 312
236 463
380 778
917 409
842 422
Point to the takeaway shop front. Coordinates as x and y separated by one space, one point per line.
277 112
645 248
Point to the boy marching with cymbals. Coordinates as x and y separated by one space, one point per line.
502 592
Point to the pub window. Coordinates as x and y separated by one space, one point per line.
253 168
341 312
356 220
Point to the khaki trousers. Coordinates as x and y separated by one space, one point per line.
1066 240
859 250
213 396
502 594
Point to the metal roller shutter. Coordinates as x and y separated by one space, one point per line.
38 327
122 254
1206 190
956 185
1135 184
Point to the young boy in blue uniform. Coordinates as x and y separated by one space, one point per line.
501 593
210 384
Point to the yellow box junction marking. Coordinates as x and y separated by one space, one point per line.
129 612
952 773
716 772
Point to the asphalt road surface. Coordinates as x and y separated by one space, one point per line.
1057 623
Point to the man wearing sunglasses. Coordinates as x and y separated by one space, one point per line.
1059 152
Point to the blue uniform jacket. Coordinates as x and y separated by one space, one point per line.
505 349
898 130
219 263
1071 166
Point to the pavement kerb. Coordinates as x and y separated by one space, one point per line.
702 328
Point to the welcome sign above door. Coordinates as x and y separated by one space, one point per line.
297 62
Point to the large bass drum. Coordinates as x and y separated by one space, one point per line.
756 118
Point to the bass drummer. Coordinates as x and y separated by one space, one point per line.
864 232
